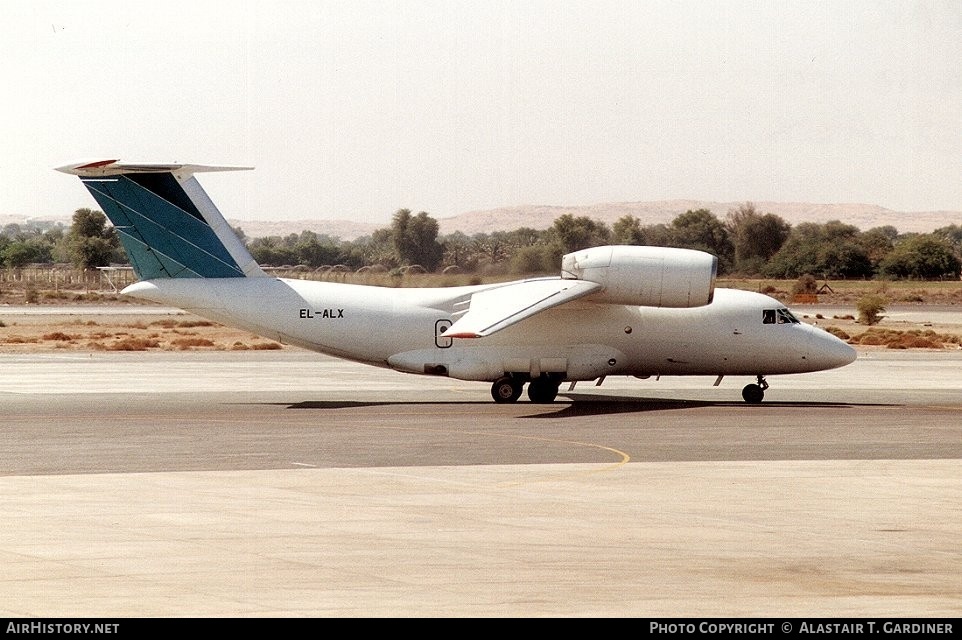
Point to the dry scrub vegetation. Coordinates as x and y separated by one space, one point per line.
848 292
899 339
907 336
114 333
89 331
188 333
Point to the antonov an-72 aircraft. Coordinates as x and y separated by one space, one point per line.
613 310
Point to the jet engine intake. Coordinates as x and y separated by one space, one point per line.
645 276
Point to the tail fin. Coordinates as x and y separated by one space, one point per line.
167 223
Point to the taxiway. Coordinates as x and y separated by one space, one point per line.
285 483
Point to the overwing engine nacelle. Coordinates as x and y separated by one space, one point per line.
645 276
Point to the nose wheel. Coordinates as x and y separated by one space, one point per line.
755 393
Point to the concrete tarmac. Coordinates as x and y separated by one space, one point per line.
288 484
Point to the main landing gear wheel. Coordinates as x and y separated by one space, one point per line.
542 390
755 393
506 390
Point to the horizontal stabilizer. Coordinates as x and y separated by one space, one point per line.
165 220
103 168
494 309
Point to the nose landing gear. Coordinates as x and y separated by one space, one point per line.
754 393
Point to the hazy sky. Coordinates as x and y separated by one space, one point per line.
355 109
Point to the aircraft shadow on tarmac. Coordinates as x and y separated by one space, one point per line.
586 405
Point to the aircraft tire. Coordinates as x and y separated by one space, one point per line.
753 393
542 390
505 390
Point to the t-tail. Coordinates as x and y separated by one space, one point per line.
168 225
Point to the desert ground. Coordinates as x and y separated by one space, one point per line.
917 317
89 328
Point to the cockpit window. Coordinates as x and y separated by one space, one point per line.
778 316
785 317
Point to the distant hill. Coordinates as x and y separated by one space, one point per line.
343 229
863 216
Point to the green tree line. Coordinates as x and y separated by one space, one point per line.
88 242
747 242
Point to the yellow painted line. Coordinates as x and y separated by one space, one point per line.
625 458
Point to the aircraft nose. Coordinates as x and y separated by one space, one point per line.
832 352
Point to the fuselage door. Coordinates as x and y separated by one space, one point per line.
439 328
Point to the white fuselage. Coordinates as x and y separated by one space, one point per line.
403 329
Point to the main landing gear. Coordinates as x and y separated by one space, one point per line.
542 390
754 393
506 389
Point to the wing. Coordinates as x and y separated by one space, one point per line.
494 309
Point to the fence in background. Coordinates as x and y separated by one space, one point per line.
57 277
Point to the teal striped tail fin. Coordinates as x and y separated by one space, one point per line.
168 225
